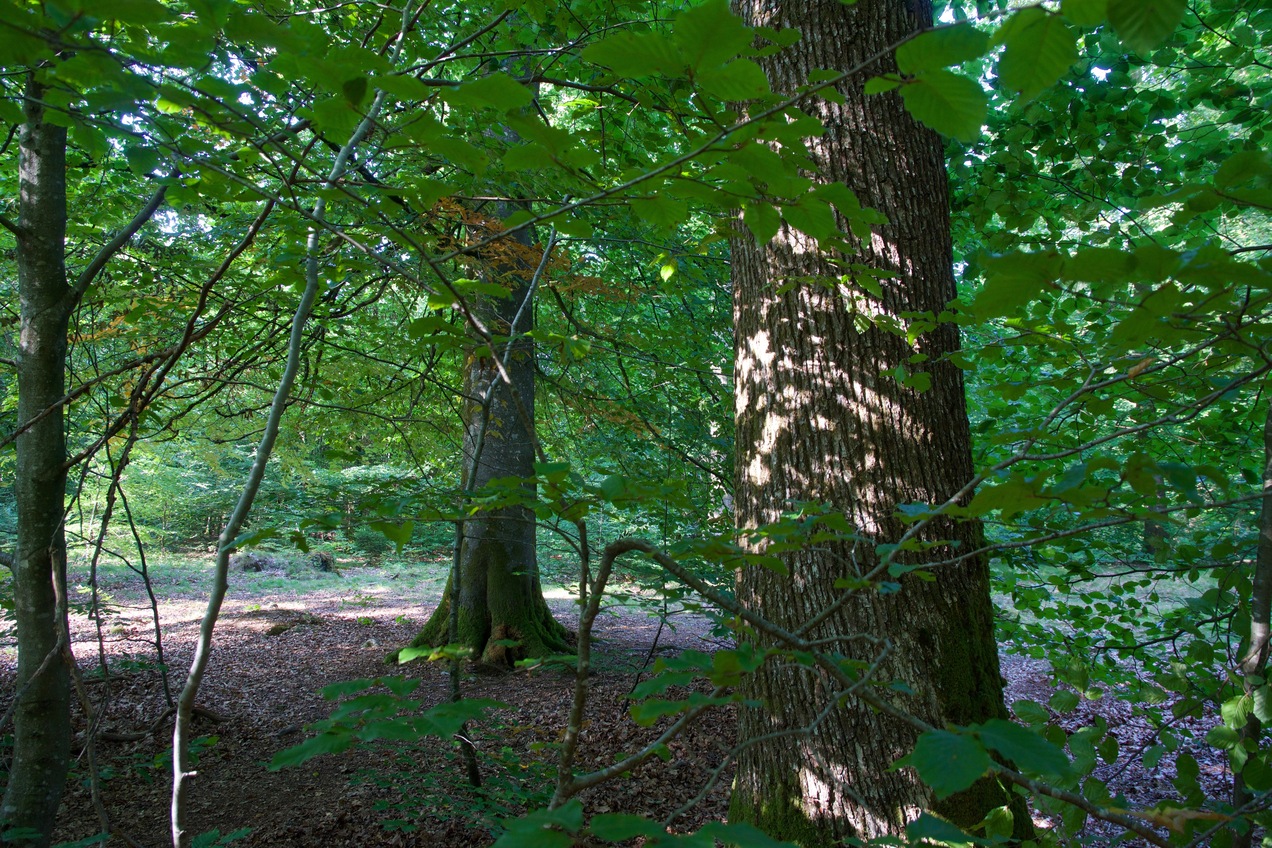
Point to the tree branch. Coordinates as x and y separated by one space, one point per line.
113 246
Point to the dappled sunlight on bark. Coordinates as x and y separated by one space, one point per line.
847 397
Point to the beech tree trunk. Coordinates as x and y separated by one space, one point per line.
500 597
819 421
41 719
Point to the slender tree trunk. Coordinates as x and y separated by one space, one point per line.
41 732
819 421
500 598
1255 662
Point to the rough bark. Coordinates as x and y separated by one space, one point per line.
819 421
41 731
500 597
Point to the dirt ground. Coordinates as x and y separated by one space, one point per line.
275 653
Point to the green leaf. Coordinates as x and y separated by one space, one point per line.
928 829
534 838
1027 749
947 762
1041 47
335 115
328 742
1013 280
941 47
1257 774
397 533
951 104
1236 711
1144 24
619 827
614 487
762 219
135 11
709 34
1242 167
1099 265
740 835
1010 497
254 537
404 87
1030 712
354 90
212 839
661 210
496 91
543 828
1263 703
141 160
1223 737
552 472
1065 701
637 54
347 687
878 85
1085 13
740 79
813 217
999 823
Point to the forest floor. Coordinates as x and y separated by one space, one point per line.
278 644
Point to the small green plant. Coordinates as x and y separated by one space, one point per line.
365 620
146 768
214 839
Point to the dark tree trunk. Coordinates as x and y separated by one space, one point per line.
500 598
41 729
1255 662
819 421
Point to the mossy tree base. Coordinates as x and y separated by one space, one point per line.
501 616
490 638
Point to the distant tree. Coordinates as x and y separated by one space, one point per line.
494 592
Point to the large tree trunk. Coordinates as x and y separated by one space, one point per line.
41 730
500 598
819 421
